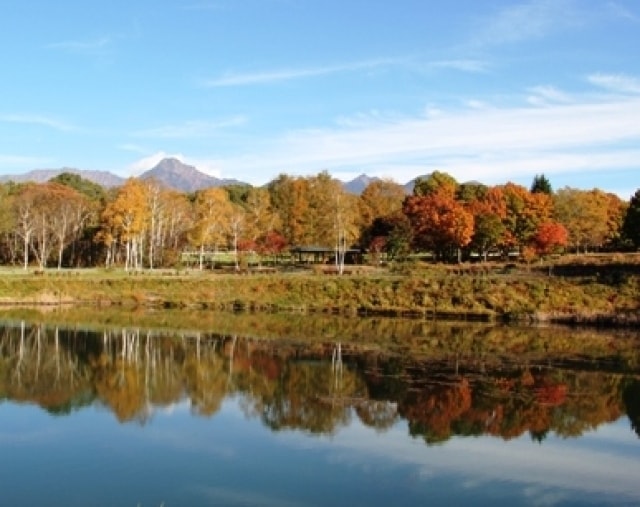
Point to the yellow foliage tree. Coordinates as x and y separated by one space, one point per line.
212 216
125 219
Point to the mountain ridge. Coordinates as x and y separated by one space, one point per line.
177 175
102 178
173 174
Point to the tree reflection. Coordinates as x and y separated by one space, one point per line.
632 403
313 387
35 368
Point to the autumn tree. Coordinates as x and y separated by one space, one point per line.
525 211
437 181
399 236
271 243
488 206
325 198
631 223
471 191
316 210
212 215
254 223
587 216
391 234
124 221
88 188
7 242
616 212
177 222
260 217
167 213
43 237
380 198
289 197
47 216
347 225
24 207
69 211
439 223
549 237
238 193
237 222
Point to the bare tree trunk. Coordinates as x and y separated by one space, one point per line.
128 255
60 250
27 237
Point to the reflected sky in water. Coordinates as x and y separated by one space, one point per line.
132 418
176 458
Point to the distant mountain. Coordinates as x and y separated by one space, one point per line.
183 177
173 174
408 187
102 178
357 185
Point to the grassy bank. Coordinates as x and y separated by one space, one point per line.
589 293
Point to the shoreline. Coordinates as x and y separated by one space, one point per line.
427 293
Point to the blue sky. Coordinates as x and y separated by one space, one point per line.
487 90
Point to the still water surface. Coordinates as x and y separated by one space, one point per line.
133 417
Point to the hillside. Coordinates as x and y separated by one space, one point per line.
102 178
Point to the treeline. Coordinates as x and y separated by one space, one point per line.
72 222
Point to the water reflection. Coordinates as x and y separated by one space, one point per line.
317 387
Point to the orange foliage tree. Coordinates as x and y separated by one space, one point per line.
525 212
549 237
380 198
439 222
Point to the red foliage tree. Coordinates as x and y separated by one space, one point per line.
246 245
271 243
549 237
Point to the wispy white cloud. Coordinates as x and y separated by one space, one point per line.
570 134
545 95
191 129
89 47
529 20
477 104
134 148
463 65
623 12
35 119
290 74
616 82
274 76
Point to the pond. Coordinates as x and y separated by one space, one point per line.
142 417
